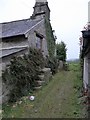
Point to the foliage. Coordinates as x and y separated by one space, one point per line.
52 61
50 38
22 73
53 64
61 51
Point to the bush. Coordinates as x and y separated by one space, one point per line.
61 51
22 73
53 64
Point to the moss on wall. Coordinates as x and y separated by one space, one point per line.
50 38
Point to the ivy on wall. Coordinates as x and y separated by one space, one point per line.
50 38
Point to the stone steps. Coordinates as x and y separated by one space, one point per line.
44 78
40 83
37 88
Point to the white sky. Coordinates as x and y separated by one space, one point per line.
68 17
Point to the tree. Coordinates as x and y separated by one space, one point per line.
61 51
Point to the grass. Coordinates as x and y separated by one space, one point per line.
58 99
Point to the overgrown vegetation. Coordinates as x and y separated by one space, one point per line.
50 38
52 61
61 51
53 64
23 72
61 54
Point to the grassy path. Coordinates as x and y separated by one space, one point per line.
58 99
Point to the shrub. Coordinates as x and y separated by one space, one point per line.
53 64
61 51
22 73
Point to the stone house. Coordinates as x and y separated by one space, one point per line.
18 36
86 59
85 56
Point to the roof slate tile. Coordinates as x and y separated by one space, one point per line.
19 27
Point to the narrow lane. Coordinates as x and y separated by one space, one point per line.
58 99
61 99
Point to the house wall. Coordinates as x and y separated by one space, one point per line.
40 28
89 71
14 41
30 41
6 60
10 43
4 97
86 72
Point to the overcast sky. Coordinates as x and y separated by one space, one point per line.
68 17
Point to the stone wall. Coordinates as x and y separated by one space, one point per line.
86 72
41 9
47 74
0 89
5 92
40 28
14 41
6 60
61 65
89 68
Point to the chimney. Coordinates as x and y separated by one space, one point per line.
41 10
89 15
89 12
41 0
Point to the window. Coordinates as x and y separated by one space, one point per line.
38 42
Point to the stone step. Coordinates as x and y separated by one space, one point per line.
37 88
40 83
45 70
41 77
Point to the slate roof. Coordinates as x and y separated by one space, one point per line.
19 27
7 52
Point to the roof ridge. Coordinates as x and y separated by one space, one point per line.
19 20
14 21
